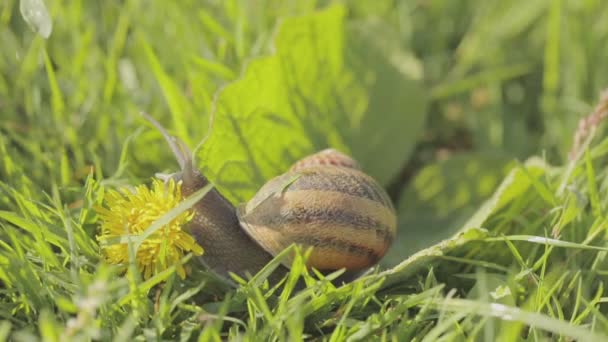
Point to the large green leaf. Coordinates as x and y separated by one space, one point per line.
422 260
441 198
519 180
388 130
515 184
319 89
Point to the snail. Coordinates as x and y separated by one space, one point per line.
324 201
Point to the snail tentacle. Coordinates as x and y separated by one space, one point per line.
183 155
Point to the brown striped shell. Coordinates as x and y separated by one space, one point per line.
326 202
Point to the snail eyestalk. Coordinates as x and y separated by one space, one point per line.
180 150
183 155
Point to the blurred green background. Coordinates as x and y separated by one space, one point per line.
448 93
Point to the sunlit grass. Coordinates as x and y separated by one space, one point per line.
534 268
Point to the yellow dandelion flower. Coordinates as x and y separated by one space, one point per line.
130 213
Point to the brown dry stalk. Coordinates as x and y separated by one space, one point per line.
590 122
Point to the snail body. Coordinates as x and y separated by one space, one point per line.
215 226
325 201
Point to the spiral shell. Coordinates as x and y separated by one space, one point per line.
326 202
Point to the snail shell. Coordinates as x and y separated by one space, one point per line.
325 202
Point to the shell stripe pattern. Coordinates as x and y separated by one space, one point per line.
337 210
326 157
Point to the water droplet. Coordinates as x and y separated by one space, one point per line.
37 16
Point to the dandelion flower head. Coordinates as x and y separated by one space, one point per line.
130 213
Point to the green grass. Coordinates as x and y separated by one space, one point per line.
452 93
